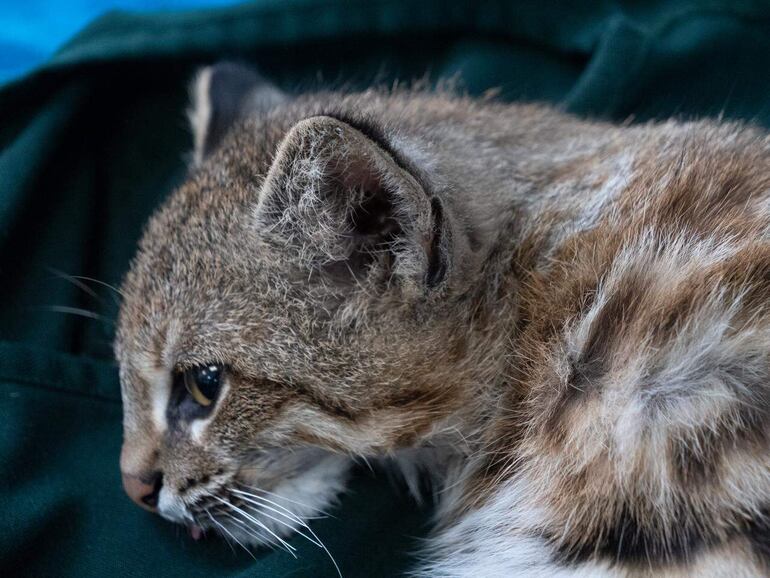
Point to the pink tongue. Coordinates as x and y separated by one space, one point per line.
195 532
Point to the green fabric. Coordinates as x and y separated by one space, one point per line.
93 140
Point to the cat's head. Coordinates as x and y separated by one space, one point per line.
295 302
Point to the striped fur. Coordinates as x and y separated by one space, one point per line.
564 322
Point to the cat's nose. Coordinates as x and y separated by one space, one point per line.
143 491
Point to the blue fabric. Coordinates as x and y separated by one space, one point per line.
31 30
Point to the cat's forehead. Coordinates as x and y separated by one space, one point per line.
188 317
247 314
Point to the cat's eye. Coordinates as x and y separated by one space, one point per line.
203 382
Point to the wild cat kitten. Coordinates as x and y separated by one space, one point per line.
565 321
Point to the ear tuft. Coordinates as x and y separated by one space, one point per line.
347 204
220 95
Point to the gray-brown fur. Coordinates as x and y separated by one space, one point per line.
570 314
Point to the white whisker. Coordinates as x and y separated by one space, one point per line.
295 502
78 311
237 541
289 548
103 283
304 525
260 509
265 502
253 532
76 282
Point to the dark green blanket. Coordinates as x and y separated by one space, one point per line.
91 142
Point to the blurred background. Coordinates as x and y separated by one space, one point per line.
31 30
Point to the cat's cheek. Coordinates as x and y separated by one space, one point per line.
297 498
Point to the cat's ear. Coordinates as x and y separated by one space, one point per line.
220 95
349 205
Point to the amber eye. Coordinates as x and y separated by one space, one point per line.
203 382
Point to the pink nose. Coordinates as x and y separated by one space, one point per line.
143 490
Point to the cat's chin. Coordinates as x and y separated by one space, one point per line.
258 516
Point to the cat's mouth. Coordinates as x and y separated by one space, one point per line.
255 507
251 516
246 515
